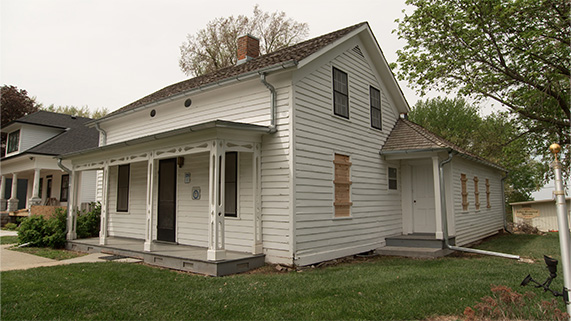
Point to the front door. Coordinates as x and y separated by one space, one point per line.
423 199
167 200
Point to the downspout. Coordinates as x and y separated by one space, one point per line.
504 204
445 218
103 134
273 103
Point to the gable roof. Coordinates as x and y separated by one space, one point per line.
408 137
75 135
282 57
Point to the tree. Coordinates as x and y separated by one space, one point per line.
77 111
494 137
513 51
214 47
15 104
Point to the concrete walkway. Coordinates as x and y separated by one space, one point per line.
14 260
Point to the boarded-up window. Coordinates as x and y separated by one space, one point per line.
465 203
376 115
489 205
123 188
342 186
340 93
476 193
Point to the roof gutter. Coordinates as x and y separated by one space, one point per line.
445 218
227 81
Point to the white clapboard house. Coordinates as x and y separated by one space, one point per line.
297 157
32 181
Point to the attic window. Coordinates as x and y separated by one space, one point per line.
13 142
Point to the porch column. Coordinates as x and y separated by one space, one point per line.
13 201
257 204
71 207
104 206
217 162
149 220
3 203
36 198
437 204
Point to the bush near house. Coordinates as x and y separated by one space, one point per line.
51 232
88 223
42 232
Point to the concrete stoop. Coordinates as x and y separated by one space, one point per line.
413 252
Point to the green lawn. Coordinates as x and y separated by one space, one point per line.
54 254
380 288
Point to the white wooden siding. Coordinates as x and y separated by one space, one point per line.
473 225
132 223
375 212
246 102
31 136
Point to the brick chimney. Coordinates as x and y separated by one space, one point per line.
248 48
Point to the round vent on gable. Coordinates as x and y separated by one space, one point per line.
187 103
153 113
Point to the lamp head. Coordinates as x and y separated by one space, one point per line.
551 264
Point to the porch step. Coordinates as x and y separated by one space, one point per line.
414 252
418 241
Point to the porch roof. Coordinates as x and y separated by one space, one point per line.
215 124
407 137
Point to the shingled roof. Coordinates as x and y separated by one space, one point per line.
293 53
75 135
407 136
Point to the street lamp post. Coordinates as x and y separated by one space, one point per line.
562 221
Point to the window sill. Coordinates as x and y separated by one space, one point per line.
342 218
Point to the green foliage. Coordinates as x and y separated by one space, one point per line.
88 223
77 111
11 226
514 52
494 137
44 233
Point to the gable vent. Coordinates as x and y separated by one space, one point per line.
358 51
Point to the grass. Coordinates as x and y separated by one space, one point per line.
8 240
381 288
54 254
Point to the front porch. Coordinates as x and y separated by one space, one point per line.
173 256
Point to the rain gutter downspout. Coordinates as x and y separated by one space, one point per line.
103 134
445 218
504 207
273 103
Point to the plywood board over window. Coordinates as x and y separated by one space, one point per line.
488 205
476 193
465 203
342 183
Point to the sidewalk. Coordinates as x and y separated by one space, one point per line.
14 260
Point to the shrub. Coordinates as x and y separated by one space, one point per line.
11 226
507 304
44 233
88 224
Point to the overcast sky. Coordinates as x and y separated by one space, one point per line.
109 53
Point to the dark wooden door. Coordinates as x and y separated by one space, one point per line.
167 200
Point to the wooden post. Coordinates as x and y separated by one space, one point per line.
216 250
104 206
149 219
257 203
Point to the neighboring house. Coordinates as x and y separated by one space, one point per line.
541 214
300 155
30 172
